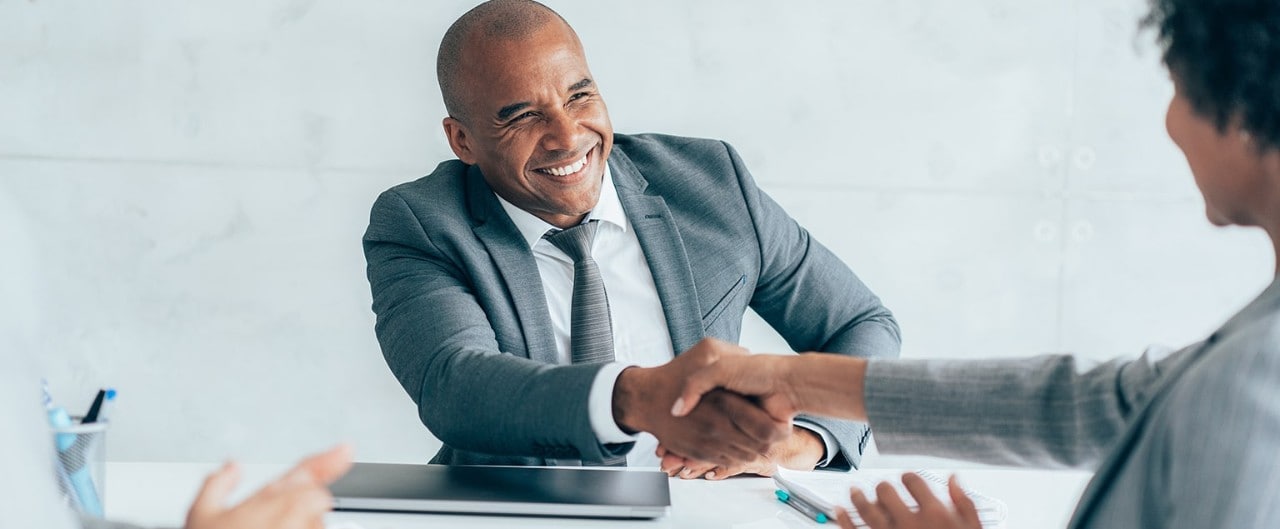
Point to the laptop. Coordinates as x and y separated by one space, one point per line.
525 491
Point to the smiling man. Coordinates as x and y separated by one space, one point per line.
533 295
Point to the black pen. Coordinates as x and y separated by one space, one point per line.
95 408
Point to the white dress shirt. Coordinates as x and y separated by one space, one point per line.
633 299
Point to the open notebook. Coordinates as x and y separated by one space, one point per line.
828 490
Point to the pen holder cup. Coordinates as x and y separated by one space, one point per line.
81 466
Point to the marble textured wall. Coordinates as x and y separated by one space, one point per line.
191 181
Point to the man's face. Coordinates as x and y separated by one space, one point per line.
1226 166
535 124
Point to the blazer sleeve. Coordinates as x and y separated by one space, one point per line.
439 343
1046 411
815 302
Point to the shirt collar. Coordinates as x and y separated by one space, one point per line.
608 210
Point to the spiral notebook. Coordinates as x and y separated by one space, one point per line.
828 490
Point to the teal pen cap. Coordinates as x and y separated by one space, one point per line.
804 508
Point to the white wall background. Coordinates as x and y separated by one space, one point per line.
194 179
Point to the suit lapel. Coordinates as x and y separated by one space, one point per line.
1267 303
664 250
1120 453
515 263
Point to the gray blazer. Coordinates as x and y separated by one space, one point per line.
1185 440
464 325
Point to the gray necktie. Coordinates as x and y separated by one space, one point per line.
590 330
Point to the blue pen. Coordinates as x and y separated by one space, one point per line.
802 506
58 418
82 482
75 471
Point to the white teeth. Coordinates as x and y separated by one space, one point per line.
568 169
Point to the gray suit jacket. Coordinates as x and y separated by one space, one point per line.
1186 440
464 325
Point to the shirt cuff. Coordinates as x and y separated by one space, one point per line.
828 440
600 405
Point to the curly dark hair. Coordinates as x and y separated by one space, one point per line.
1225 55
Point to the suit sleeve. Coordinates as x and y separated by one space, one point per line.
815 302
1048 411
438 342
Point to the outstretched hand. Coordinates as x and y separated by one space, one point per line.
890 512
297 500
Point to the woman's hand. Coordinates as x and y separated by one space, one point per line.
889 511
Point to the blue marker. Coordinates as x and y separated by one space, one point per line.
802 506
58 419
82 483
71 462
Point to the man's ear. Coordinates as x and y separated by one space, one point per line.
459 140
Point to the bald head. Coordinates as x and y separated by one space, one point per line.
492 21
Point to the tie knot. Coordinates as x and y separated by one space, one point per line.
575 241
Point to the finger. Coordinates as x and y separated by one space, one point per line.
759 428
672 464
696 469
714 438
212 497
889 501
779 407
765 468
731 453
964 504
714 372
872 515
719 472
920 491
323 468
843 519
305 506
326 467
696 385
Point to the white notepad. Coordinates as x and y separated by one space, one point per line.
828 490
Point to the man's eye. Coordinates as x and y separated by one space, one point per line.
578 96
524 117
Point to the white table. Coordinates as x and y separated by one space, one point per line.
157 494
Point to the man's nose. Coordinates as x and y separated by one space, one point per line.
561 132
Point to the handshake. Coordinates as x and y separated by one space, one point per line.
718 411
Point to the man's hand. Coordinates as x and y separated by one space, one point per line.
889 512
785 385
297 500
726 429
800 451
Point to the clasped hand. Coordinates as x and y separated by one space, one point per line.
724 435
725 429
819 384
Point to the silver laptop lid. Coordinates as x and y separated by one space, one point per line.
536 491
